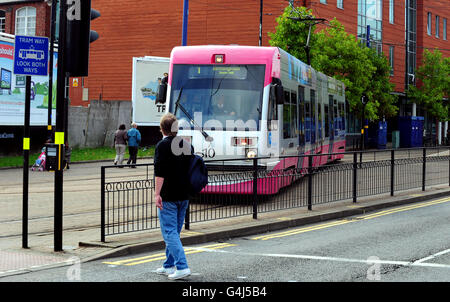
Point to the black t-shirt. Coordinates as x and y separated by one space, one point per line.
172 159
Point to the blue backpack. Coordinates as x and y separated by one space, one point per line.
198 174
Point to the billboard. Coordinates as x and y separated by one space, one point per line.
12 91
5 79
147 73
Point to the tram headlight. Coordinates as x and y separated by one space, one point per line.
251 153
244 141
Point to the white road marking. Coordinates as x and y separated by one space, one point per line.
335 259
432 256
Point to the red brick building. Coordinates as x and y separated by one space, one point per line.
132 28
25 17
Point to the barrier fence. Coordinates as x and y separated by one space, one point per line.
240 187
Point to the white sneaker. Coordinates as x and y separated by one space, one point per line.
179 274
166 271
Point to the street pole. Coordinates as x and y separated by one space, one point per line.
26 152
260 21
50 71
312 21
406 50
307 47
185 22
59 129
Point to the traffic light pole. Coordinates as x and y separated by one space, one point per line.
59 128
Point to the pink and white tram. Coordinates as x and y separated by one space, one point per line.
245 102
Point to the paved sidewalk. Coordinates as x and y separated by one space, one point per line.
83 244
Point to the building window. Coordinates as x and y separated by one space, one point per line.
2 21
340 4
391 59
444 29
411 39
323 1
391 11
429 24
370 16
26 21
437 26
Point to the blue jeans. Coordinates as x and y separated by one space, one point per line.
171 218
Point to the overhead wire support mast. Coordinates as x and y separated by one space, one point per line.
308 18
315 21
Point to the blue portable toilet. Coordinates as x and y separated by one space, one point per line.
417 125
411 131
377 135
382 135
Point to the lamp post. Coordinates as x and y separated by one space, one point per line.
364 101
260 21
185 22
54 7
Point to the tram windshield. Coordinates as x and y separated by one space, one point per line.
217 96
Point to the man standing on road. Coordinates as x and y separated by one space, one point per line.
171 196
134 139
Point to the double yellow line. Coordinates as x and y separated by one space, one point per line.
162 256
341 222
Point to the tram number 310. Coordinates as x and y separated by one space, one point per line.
208 152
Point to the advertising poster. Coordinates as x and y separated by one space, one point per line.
147 72
12 91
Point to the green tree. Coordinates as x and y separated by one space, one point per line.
433 79
291 35
336 53
380 86
340 55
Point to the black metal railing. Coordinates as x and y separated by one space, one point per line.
127 203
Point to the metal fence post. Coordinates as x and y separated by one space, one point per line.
355 168
187 218
102 211
392 172
255 188
424 168
310 171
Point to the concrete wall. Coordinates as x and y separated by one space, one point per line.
94 126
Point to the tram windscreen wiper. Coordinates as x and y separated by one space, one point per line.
205 135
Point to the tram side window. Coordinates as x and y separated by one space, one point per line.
327 125
272 114
287 114
290 116
294 115
301 114
342 115
313 116
320 116
336 118
331 116
307 121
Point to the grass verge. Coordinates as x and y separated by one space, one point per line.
78 155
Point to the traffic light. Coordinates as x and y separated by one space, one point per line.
78 36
